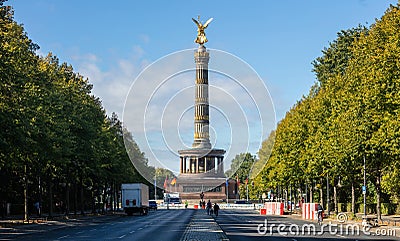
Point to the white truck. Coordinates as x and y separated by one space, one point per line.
172 198
135 198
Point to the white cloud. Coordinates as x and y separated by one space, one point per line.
111 85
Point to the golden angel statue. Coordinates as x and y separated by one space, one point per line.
201 35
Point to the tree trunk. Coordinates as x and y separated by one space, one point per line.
378 197
295 197
321 197
25 195
111 195
353 199
93 201
99 206
50 198
335 199
115 197
40 198
321 194
75 198
290 198
81 198
67 199
286 199
311 194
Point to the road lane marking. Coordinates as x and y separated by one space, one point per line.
63 237
79 232
132 231
122 236
139 228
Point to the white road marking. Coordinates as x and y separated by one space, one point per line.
79 232
63 237
132 231
122 236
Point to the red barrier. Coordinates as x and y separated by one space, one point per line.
274 208
309 211
263 211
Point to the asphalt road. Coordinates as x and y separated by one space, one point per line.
157 225
165 225
242 225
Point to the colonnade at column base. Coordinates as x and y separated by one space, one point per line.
202 162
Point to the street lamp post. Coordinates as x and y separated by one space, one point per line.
155 188
247 193
364 190
227 191
327 192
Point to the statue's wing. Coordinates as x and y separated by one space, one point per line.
208 22
195 21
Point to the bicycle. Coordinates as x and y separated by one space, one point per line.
320 217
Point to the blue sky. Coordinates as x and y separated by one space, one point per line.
111 42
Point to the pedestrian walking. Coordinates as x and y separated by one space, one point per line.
209 206
37 207
216 209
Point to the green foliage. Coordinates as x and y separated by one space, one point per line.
241 169
55 129
350 114
241 166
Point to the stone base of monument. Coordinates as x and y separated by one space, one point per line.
201 170
190 186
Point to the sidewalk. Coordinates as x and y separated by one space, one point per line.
393 220
203 227
11 228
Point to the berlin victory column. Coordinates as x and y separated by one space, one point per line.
201 167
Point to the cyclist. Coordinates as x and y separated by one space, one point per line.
320 211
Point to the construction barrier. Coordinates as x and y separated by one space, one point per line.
263 211
253 206
309 211
274 208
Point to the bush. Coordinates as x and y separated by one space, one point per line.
348 207
370 209
342 207
388 208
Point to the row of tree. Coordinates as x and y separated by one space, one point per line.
351 115
57 145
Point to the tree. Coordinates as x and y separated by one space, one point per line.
241 167
56 138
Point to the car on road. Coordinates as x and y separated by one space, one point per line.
242 202
174 200
153 204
